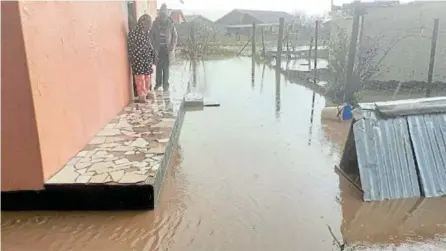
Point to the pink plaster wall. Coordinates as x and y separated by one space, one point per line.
21 165
78 70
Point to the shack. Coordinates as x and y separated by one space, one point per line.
396 149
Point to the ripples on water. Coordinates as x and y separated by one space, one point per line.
246 178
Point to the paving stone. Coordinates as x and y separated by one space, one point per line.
122 124
140 143
66 175
117 175
82 154
97 160
91 153
158 158
165 140
108 179
83 179
100 154
82 165
122 154
73 160
114 139
155 167
129 133
83 160
100 165
109 145
111 159
122 149
97 140
141 172
121 161
81 171
110 126
132 178
140 164
157 150
99 178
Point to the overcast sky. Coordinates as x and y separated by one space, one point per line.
215 7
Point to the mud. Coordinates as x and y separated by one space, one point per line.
255 173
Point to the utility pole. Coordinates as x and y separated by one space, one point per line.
351 56
253 41
432 58
279 44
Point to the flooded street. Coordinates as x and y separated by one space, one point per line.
256 173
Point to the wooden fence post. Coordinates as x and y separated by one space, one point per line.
263 43
351 56
253 42
279 44
432 58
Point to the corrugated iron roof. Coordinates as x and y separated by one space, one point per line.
385 158
428 134
404 155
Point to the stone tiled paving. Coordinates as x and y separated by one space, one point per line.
130 149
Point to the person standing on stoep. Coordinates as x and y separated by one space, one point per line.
141 55
164 40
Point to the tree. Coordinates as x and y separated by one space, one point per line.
371 52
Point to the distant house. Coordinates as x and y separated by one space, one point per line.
176 15
238 16
240 21
199 19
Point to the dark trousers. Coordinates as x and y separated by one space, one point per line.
162 69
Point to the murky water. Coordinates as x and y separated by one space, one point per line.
254 174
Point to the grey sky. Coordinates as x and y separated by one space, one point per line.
216 8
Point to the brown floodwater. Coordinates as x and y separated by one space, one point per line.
256 173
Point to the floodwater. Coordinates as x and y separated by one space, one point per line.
256 173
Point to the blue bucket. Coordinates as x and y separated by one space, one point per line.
345 112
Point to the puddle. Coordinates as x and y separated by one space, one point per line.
255 173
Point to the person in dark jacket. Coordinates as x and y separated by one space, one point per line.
164 40
141 56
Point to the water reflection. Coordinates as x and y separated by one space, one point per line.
263 78
278 101
386 225
311 117
247 181
390 222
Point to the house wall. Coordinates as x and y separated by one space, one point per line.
232 18
409 58
21 164
177 17
78 70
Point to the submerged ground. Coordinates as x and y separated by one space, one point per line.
254 174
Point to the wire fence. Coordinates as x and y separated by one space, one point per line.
398 52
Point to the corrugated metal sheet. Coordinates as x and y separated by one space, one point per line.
428 133
402 156
385 158
412 107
